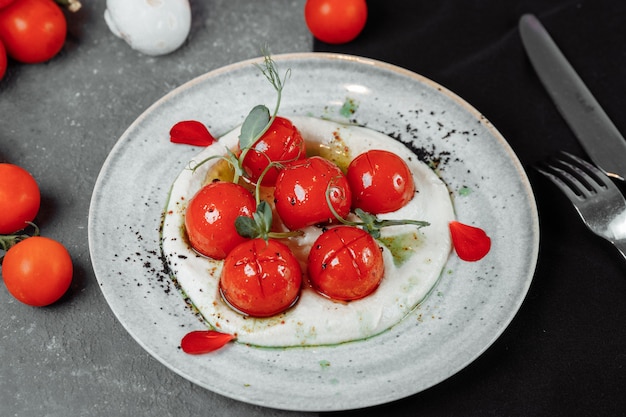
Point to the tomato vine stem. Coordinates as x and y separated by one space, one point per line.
7 241
72 5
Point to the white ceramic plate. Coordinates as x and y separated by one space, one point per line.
471 306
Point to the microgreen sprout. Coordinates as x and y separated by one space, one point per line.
256 123
369 222
261 222
259 119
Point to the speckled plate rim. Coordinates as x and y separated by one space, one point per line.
469 309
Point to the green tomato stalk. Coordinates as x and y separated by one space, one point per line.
7 241
72 5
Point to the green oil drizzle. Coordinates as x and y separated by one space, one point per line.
464 191
401 246
324 364
221 170
349 107
335 151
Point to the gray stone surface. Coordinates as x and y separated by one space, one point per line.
59 120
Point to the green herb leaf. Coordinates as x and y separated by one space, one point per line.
246 227
266 212
254 125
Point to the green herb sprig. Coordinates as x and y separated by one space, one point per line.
258 120
369 222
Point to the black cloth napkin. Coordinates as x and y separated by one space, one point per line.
565 352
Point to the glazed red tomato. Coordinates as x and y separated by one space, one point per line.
260 278
345 263
281 143
37 271
32 30
3 60
300 194
381 182
335 21
19 198
211 214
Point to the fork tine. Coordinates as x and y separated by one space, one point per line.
598 201
572 174
556 176
590 171
581 177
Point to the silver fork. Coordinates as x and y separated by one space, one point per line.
596 198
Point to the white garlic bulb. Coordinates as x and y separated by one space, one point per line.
152 27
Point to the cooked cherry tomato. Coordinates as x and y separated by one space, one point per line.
19 198
260 278
37 271
3 60
335 21
381 182
211 214
345 263
300 194
282 142
32 30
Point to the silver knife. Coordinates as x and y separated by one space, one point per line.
597 134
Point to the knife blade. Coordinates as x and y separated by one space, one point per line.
596 133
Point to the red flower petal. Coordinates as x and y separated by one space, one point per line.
204 341
470 243
191 132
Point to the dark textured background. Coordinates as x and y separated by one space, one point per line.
563 355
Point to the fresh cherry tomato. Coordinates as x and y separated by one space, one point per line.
381 182
211 214
335 21
3 60
260 278
37 271
300 193
282 142
19 198
33 31
4 3
345 263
